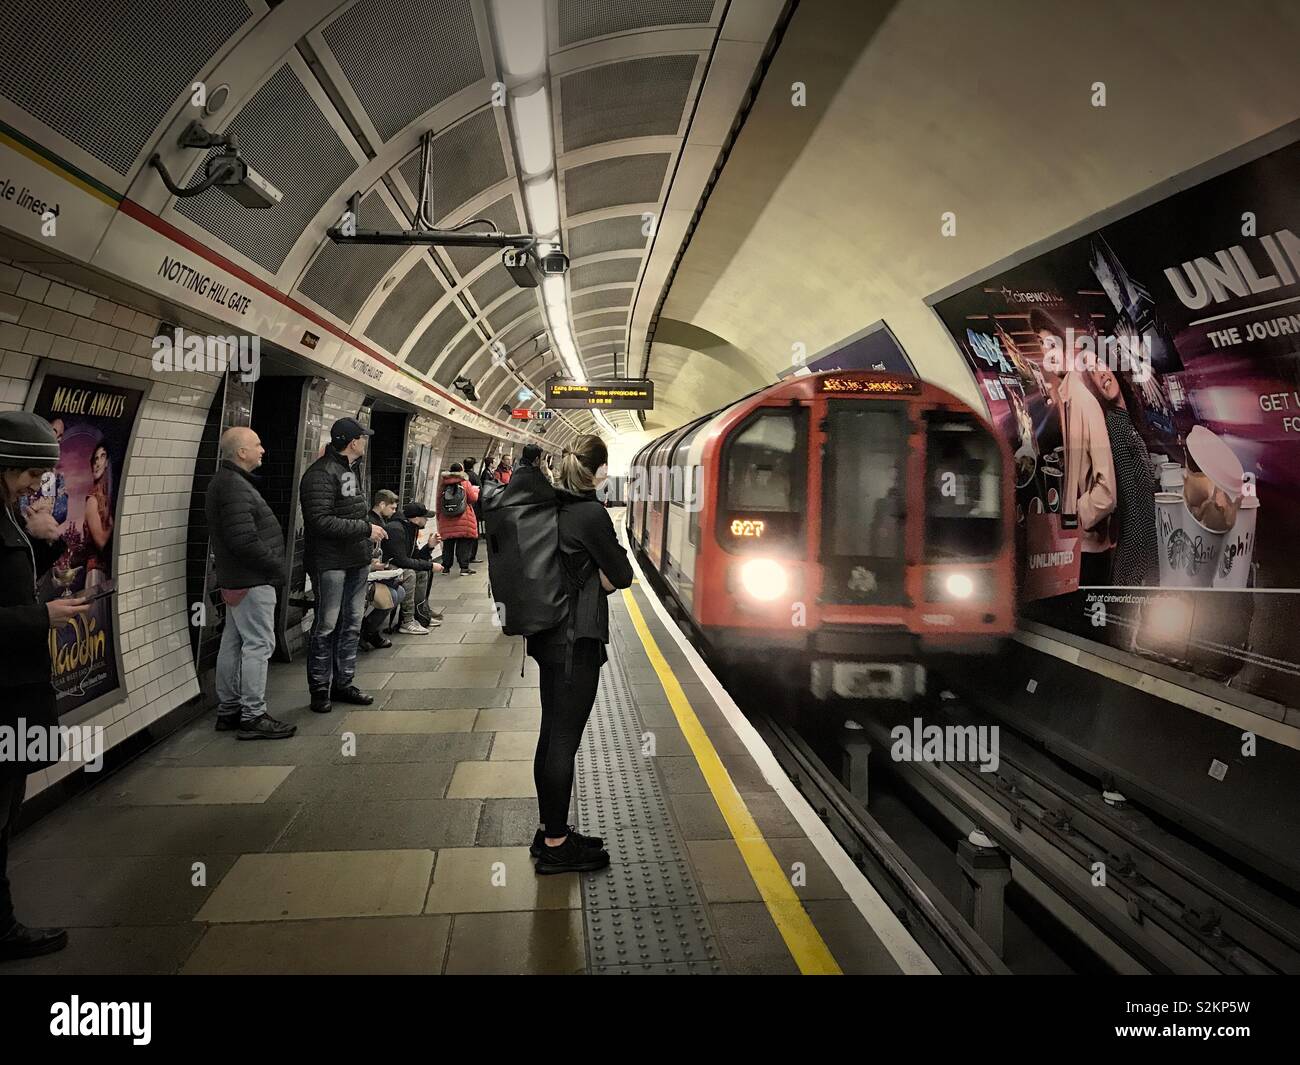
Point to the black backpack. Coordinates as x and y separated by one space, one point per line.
528 577
453 500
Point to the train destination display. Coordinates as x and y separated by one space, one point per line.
611 394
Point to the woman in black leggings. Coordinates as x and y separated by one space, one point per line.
570 655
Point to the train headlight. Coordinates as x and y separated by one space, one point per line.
959 586
764 579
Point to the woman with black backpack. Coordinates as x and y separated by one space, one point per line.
569 656
457 522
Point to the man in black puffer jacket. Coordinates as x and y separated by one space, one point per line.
248 547
417 562
337 555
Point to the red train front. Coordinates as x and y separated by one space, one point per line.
860 519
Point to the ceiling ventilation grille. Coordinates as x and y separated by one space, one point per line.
409 301
610 234
611 182
341 278
631 98
581 20
504 217
467 158
599 301
608 272
437 337
62 64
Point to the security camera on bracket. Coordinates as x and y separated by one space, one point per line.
520 256
224 170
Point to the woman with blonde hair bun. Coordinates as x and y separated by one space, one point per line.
570 655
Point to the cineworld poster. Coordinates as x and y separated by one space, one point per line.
1147 377
93 421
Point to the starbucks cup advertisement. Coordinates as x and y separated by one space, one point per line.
1238 548
1188 551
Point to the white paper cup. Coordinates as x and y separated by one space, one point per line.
1189 552
1171 477
1233 570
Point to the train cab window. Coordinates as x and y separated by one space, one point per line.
963 501
762 494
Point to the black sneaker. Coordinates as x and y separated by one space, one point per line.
468 572
227 722
351 694
378 642
266 727
590 842
23 942
570 857
320 702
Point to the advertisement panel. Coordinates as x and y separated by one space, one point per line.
1147 377
94 418
873 348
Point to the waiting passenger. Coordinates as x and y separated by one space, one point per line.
457 521
530 464
26 693
502 472
382 596
477 482
400 550
337 556
248 548
570 655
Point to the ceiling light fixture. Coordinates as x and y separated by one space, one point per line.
521 36
532 114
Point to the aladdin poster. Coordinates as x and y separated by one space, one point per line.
93 421
1147 377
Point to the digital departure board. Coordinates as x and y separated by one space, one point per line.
610 394
866 386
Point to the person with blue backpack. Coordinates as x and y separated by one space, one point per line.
457 521
553 558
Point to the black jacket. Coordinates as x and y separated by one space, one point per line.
587 544
247 541
335 528
25 689
400 549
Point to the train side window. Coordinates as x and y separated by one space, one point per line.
763 481
963 490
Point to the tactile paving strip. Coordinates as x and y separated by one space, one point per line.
644 913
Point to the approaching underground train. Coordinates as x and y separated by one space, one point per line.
855 521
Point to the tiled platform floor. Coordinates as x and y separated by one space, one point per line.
389 839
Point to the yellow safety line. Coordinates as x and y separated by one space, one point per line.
801 937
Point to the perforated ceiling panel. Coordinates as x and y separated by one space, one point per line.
504 216
595 301
404 56
460 354
513 308
600 321
467 158
610 182
284 136
610 234
529 327
407 303
62 64
492 286
341 277
583 19
612 347
632 98
435 339
609 272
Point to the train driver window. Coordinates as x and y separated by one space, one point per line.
763 482
963 502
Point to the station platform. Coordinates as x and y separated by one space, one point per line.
394 838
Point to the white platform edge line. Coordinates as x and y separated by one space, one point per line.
905 951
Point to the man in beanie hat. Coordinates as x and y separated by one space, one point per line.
28 448
337 555
400 550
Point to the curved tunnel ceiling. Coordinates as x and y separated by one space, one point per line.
826 217
328 99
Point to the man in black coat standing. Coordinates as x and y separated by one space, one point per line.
337 535
248 547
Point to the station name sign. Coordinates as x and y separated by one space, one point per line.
609 394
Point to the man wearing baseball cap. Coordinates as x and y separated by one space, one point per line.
400 550
337 537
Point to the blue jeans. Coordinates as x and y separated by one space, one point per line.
247 642
336 628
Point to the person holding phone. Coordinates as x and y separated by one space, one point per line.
28 448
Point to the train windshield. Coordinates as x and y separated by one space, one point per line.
864 502
963 501
763 505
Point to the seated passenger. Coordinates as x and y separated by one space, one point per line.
378 605
570 655
401 551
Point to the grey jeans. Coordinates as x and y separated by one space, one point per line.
247 643
416 583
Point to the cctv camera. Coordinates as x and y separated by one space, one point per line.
528 269
241 182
